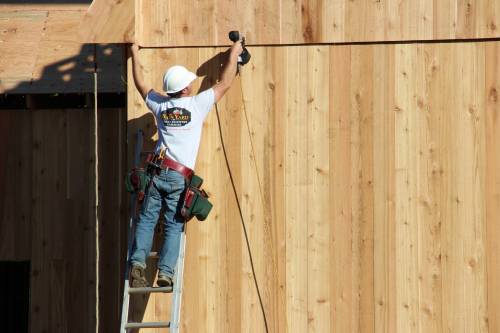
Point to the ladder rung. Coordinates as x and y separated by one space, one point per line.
159 324
146 290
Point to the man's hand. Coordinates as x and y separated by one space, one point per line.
236 49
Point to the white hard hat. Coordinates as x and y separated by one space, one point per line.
177 78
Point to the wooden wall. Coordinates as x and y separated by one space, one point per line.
206 22
369 182
47 213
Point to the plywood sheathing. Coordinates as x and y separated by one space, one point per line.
108 22
369 194
41 53
20 40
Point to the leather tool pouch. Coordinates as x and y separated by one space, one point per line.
136 182
195 201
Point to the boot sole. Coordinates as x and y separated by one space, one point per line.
138 277
164 283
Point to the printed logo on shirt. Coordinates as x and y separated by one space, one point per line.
176 117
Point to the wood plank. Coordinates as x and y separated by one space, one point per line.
112 221
15 185
384 251
429 167
364 97
297 181
472 144
344 310
492 76
406 190
49 187
274 173
318 232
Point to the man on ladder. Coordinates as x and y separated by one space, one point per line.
179 118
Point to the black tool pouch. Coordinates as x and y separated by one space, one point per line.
195 201
136 182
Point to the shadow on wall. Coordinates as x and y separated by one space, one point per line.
75 74
211 70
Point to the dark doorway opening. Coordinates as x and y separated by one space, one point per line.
15 281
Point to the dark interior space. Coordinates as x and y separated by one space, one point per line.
15 277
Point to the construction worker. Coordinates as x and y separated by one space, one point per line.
179 119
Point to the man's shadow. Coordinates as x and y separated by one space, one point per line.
211 70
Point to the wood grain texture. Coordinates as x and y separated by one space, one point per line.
41 53
492 81
15 186
368 181
52 225
206 22
45 218
107 21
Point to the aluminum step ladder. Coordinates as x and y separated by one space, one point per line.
175 312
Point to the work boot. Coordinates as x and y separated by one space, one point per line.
138 276
164 280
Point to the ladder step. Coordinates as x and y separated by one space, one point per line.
160 324
147 290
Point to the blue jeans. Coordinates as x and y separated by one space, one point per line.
165 191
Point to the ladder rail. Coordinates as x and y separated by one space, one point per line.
130 235
175 313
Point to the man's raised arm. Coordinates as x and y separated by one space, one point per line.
137 71
229 71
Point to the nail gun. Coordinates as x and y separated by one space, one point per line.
244 57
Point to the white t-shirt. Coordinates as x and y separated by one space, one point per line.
180 121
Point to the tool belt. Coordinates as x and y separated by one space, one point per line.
195 199
166 163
